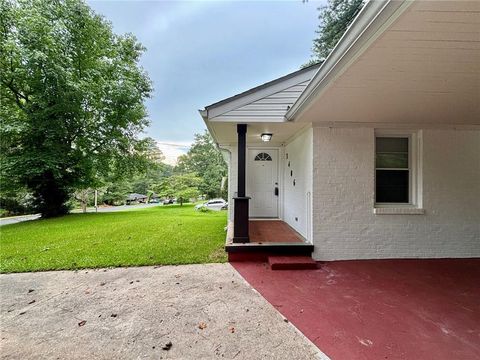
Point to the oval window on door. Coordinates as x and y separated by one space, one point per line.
263 157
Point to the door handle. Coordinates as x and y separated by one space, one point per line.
276 191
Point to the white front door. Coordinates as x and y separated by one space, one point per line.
262 180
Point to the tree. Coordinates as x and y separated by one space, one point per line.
145 182
15 202
115 190
154 154
71 100
205 160
335 18
82 197
181 186
115 193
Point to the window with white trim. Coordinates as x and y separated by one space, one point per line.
263 157
392 170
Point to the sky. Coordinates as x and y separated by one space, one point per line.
200 52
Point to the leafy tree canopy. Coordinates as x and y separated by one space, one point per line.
154 154
205 160
335 18
71 100
145 181
183 187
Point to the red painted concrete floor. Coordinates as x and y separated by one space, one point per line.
272 231
380 309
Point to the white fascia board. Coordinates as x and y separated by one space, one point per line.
204 115
216 111
374 18
248 120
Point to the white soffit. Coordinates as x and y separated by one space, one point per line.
423 69
225 133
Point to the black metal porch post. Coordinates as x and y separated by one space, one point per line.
240 217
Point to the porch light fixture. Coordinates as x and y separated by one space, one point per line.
266 137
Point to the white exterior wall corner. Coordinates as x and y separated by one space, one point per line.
232 177
297 199
344 226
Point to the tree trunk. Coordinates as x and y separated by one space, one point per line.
50 196
82 196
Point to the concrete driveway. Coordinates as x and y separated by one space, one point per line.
170 312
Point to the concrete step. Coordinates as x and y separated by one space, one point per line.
291 263
261 252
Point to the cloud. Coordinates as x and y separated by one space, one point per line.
200 52
173 149
168 14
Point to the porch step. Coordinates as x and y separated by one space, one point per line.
291 263
261 252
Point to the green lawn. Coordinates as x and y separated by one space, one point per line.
153 236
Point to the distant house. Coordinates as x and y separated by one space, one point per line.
373 154
136 198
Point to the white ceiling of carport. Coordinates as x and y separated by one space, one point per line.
424 69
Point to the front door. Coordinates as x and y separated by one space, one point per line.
262 183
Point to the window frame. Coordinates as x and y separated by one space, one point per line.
263 156
414 161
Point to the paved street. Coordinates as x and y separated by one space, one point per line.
22 218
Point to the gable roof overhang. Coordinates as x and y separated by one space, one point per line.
401 63
263 108
293 83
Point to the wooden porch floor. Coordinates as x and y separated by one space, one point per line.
273 231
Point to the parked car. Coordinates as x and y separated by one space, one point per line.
136 198
214 204
154 199
168 201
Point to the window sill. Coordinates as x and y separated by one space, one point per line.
398 211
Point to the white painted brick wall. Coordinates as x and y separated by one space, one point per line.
344 226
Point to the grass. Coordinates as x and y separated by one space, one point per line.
153 236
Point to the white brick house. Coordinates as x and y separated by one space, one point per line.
376 152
